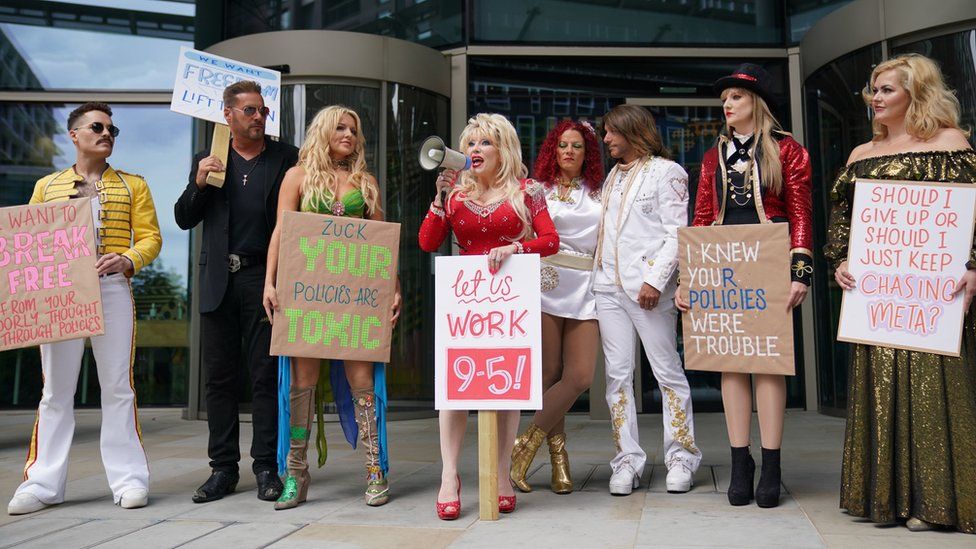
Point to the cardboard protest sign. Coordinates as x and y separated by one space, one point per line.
47 268
737 281
487 334
200 81
909 245
336 283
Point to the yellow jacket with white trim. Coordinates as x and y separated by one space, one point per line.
128 216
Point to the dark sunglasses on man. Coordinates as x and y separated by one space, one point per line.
98 128
251 111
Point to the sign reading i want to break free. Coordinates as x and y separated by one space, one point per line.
909 245
50 288
200 81
487 334
336 283
736 279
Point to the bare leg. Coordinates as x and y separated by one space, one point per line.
737 400
580 342
306 372
453 424
552 361
771 403
359 374
508 422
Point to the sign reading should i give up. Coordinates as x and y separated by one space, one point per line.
487 334
909 245
336 282
737 280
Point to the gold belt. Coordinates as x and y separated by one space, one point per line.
563 259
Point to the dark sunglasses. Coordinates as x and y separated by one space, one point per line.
251 111
98 128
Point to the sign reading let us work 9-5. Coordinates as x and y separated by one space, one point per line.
336 283
200 81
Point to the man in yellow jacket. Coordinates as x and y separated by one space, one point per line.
128 239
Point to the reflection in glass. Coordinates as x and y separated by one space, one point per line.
630 23
154 144
804 14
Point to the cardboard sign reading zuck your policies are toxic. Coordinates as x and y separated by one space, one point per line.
737 280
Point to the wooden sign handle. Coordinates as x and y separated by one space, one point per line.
488 464
219 147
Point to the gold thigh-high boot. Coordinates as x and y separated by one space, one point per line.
562 482
297 480
377 488
526 446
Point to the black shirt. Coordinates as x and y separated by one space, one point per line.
249 232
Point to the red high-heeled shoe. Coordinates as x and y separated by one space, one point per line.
442 508
506 504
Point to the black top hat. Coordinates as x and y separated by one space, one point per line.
750 77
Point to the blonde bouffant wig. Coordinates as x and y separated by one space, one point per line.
321 184
933 105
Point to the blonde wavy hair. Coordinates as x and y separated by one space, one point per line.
933 105
766 126
500 132
321 184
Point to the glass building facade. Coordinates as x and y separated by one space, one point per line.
535 61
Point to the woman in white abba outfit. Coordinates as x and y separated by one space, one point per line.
569 165
645 200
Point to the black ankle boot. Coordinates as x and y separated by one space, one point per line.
743 472
767 492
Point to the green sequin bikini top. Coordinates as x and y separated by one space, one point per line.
351 204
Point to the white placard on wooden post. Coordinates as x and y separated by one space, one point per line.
488 349
909 245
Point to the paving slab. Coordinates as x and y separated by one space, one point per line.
33 527
87 534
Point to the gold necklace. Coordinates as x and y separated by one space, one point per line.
571 185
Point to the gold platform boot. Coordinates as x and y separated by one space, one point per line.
377 488
526 446
302 402
562 482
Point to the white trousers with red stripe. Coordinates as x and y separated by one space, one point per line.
125 460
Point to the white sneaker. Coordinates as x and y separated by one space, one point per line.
134 498
624 480
24 503
679 479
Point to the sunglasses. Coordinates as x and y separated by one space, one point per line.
251 111
98 128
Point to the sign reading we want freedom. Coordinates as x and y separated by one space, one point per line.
909 245
336 282
487 334
736 279
200 81
50 288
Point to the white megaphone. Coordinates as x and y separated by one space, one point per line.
435 154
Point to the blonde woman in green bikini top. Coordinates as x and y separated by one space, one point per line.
330 178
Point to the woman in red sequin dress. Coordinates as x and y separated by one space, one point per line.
494 211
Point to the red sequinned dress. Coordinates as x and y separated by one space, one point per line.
479 228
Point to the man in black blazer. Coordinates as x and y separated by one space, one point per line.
238 219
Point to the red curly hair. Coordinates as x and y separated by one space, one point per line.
547 164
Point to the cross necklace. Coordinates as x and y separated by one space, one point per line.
257 160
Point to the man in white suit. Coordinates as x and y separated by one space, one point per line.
645 200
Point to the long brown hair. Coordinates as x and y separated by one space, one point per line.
637 126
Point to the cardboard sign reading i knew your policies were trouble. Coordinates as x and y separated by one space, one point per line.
336 283
50 288
737 280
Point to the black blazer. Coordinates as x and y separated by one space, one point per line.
210 205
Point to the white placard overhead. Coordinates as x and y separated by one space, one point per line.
200 81
487 334
909 245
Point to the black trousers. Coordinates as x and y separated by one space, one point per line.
237 336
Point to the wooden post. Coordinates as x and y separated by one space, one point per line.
488 464
219 147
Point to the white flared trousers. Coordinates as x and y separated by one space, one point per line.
619 316
125 460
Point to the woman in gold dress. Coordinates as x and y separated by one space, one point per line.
910 445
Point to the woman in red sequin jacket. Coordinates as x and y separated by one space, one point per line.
756 174
494 211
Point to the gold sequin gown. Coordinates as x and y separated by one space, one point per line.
910 445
